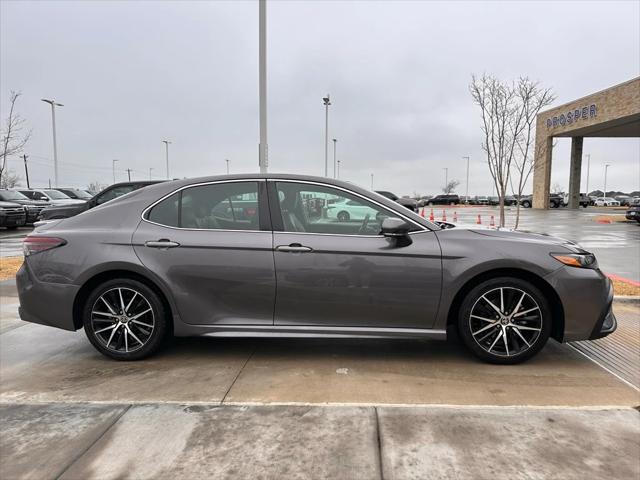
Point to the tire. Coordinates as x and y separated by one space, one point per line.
535 327
343 216
12 227
526 204
140 341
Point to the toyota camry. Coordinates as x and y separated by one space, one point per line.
260 255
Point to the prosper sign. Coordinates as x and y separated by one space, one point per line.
573 116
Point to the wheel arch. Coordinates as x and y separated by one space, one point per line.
555 304
99 278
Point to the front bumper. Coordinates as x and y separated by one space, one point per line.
43 302
587 297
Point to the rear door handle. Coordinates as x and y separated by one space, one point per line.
162 243
294 247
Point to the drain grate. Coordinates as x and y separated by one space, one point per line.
620 351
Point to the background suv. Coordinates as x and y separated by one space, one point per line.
445 200
32 207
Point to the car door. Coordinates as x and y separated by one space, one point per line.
333 273
212 246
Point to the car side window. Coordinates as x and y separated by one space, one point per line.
114 193
220 206
321 209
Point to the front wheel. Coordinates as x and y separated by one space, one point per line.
124 319
526 204
343 216
504 320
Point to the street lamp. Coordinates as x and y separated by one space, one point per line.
166 145
372 182
263 149
606 167
54 104
327 102
335 141
466 196
227 160
446 176
113 167
150 170
338 174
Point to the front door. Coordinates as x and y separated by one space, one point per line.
212 245
333 268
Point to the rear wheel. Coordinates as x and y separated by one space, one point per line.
504 320
343 216
125 319
526 204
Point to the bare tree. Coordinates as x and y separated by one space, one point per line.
95 187
13 138
9 179
450 187
503 120
533 98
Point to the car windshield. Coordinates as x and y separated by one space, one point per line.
56 195
8 195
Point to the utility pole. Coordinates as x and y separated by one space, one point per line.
263 148
150 170
588 155
467 191
54 104
227 160
372 182
335 141
338 176
113 167
26 170
446 176
327 102
129 173
166 147
606 167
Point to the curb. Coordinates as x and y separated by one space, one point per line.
634 299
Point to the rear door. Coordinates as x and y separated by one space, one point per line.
344 273
212 245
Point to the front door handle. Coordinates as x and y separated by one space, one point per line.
294 247
162 243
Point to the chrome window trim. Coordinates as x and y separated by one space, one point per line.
215 182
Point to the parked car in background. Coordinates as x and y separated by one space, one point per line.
12 215
584 201
409 203
33 207
75 193
53 197
479 200
444 200
109 193
633 213
625 200
346 210
555 201
424 200
607 202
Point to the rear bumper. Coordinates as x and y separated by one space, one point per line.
587 297
13 220
43 302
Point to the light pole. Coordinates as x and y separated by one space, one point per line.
263 149
227 160
606 167
588 155
335 141
372 182
446 176
54 104
113 168
150 170
338 174
466 196
327 102
166 148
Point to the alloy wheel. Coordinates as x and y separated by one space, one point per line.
505 321
122 320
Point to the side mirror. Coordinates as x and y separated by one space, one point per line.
394 227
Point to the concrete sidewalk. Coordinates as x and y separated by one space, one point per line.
160 441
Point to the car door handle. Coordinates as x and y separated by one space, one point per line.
294 247
162 243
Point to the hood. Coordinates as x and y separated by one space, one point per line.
4 204
526 236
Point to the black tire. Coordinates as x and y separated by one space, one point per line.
159 320
537 333
526 204
12 227
343 216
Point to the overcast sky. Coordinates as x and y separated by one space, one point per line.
133 73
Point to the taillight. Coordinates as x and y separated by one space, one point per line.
36 244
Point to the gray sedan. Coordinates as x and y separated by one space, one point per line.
258 255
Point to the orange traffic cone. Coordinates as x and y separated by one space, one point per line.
479 221
422 212
431 217
444 216
455 217
492 223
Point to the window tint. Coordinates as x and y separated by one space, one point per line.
319 209
222 206
114 193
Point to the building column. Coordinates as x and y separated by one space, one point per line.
575 172
542 169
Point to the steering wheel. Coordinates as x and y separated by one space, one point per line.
365 223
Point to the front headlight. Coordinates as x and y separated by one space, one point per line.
580 260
